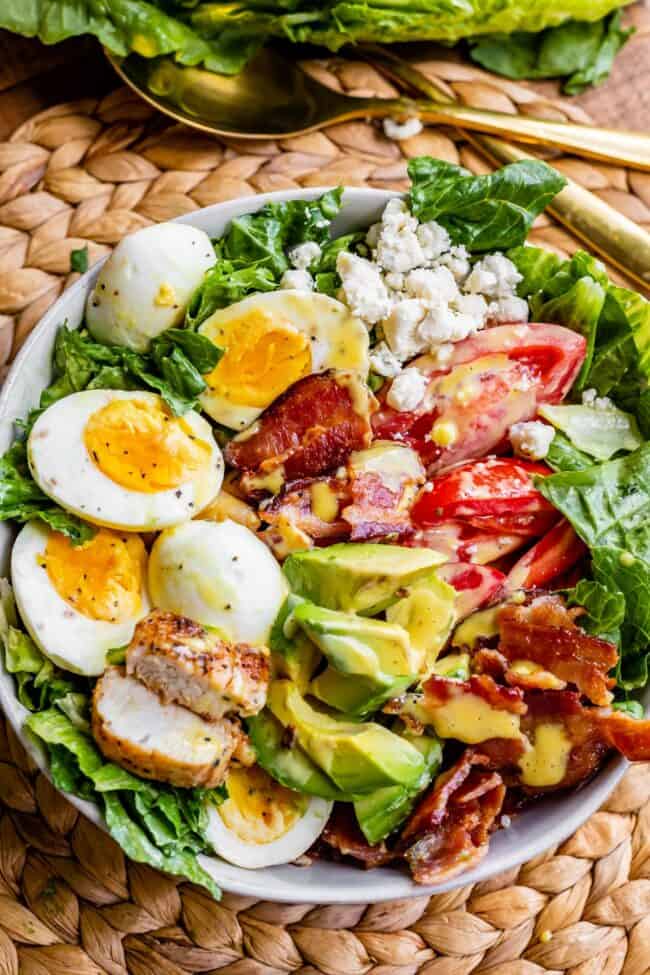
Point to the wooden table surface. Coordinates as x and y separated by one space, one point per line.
33 77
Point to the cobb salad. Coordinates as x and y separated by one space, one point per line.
336 546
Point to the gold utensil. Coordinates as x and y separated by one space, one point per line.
619 240
273 98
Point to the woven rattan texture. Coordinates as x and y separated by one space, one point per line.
86 174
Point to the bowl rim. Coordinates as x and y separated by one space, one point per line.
323 882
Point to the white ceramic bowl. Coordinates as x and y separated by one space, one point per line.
548 823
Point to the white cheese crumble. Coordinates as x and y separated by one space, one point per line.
401 130
407 390
297 280
304 255
432 285
434 240
495 276
401 329
591 398
384 362
508 309
364 291
531 440
457 260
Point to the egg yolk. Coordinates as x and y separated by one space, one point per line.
258 809
140 446
263 356
102 579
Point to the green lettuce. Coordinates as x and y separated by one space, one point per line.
153 823
252 255
484 213
22 500
580 53
123 26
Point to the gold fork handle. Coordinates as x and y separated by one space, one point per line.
624 148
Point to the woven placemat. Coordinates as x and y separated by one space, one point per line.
86 173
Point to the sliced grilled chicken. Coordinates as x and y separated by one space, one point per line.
159 741
184 662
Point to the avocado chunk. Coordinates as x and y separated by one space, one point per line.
369 660
356 696
483 624
358 577
427 613
453 665
380 813
359 758
288 765
356 644
293 654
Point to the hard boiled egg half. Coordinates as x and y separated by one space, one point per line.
262 823
77 602
219 574
272 340
145 285
121 459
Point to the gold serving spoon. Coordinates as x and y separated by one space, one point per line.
273 98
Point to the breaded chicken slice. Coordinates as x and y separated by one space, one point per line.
184 662
133 728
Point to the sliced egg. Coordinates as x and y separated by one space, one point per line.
145 285
262 823
120 459
220 574
77 602
272 340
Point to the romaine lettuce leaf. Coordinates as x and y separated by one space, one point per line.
153 823
484 213
22 500
598 432
252 255
581 53
564 456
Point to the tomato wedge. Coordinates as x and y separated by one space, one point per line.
474 584
500 489
532 525
460 542
547 559
552 354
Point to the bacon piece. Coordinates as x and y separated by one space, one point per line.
376 510
294 506
545 633
439 690
343 834
448 831
310 429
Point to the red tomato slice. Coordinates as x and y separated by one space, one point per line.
552 354
496 487
547 559
460 542
531 525
467 412
474 584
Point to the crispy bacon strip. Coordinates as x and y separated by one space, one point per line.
294 505
448 830
342 833
593 733
439 690
310 429
545 632
375 511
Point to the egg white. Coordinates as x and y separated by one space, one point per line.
145 285
71 640
62 467
220 574
337 340
247 853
